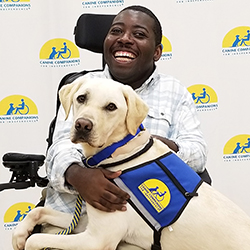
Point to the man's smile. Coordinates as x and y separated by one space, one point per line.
124 56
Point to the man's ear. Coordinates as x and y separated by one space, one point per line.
66 94
137 109
158 52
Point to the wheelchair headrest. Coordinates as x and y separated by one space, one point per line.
91 30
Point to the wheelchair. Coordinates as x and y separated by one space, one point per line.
89 32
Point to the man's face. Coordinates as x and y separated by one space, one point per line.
129 48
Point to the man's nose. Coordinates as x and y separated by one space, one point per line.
126 37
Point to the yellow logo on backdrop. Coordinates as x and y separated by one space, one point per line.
16 213
156 192
205 98
237 148
166 48
18 108
237 41
59 52
15 4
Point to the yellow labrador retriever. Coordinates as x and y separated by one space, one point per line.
105 112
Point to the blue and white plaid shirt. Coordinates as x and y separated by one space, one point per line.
172 114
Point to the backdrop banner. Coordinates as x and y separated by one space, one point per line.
206 45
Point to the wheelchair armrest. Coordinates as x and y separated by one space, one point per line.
24 169
19 157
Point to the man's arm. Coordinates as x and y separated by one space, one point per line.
66 172
187 134
95 187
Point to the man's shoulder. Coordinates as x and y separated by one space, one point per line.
169 82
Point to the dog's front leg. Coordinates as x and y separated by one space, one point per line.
25 227
35 217
104 231
87 240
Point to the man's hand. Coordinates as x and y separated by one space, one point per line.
96 189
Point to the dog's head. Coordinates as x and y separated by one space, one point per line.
104 111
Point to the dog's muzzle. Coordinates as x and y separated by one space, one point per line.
82 130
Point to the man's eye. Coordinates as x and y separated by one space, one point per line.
115 31
81 98
139 34
111 107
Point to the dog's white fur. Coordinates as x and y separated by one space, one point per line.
210 221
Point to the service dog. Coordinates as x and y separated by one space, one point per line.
210 221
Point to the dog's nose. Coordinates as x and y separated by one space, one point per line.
83 125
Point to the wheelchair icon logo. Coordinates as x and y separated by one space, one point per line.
22 109
63 53
237 148
235 40
59 52
203 98
242 149
159 196
241 41
156 192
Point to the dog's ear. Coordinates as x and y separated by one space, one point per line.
137 109
66 94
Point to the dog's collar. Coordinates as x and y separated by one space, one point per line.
130 158
132 146
108 151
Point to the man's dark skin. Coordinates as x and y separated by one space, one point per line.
130 51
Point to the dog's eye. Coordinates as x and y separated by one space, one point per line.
111 107
81 98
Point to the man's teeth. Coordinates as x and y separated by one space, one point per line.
123 59
125 55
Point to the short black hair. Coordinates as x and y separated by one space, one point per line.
157 25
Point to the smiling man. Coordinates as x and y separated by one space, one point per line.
131 48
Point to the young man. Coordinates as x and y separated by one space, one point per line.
131 48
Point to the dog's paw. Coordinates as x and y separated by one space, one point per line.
19 237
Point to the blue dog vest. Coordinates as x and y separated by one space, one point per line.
160 189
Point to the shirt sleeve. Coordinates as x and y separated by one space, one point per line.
187 134
62 153
172 114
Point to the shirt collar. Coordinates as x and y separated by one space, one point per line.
149 82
